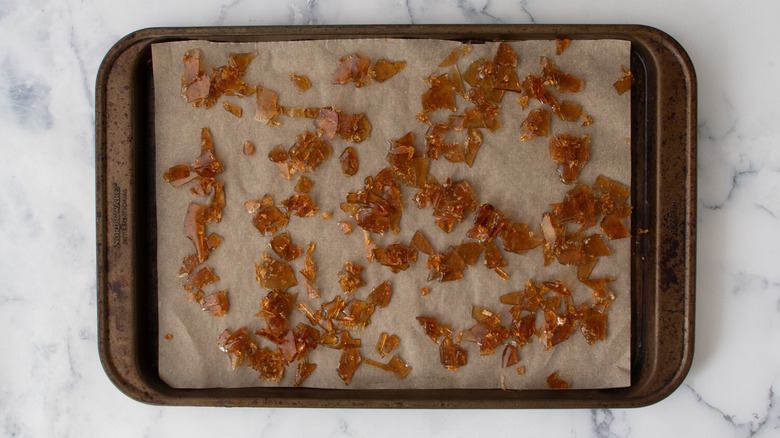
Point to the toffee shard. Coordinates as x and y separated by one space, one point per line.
236 345
452 203
349 277
571 154
386 344
536 124
349 163
275 308
267 108
353 68
216 303
274 274
624 84
284 248
441 94
554 382
384 69
398 257
301 83
350 360
381 294
377 208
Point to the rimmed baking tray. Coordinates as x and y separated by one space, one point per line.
663 192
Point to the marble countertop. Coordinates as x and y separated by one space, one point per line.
51 380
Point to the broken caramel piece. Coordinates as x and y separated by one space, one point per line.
561 44
269 363
311 291
488 333
232 109
309 270
397 257
368 246
304 370
327 123
354 68
475 139
381 294
553 76
349 163
274 274
395 366
488 223
303 185
424 291
571 154
301 83
441 94
451 355
452 202
201 89
198 280
386 344
354 128
249 148
451 59
509 356
555 383
408 166
384 69
308 152
192 261
349 277
377 208
278 154
284 248
420 243
536 124
350 360
469 252
593 321
446 267
356 314
518 239
216 303
345 227
522 328
268 219
267 109
302 205
433 330
275 308
237 345
494 260
624 84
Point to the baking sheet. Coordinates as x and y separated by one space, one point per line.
518 178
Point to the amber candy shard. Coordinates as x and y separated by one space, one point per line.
561 44
302 205
204 276
475 139
488 333
398 257
554 76
275 308
536 124
327 123
278 154
348 363
571 154
377 208
216 303
469 252
270 364
509 356
554 382
451 59
446 266
381 294
386 344
354 128
522 328
451 355
433 329
624 84
384 69
408 166
267 108
488 223
349 277
309 270
301 83
420 243
249 148
304 370
274 274
353 68
355 315
308 152
593 321
441 94
268 219
284 248
232 109
345 227
349 163
518 238
303 185
452 203
236 345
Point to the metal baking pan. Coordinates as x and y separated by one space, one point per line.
663 190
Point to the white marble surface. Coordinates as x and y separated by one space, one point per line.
51 381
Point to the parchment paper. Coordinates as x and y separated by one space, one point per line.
518 178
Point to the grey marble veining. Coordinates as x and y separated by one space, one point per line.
52 384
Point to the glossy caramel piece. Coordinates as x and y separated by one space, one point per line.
349 163
408 166
562 81
301 205
570 111
309 270
232 109
275 308
236 345
206 165
386 344
397 257
301 83
554 382
446 266
249 148
326 214
617 192
284 248
274 274
614 227
203 277
488 333
518 238
451 59
624 84
451 355
522 327
353 68
433 329
536 124
480 76
452 203
345 227
420 243
195 229
268 219
593 321
304 370
308 152
349 277
278 154
381 294
469 252
505 56
488 224
571 154
216 303
395 366
311 291
355 315
368 246
354 128
424 291
441 94
303 185
509 356
384 69
270 364
267 108
345 341
561 44
327 123
348 363
475 139
533 87
377 208
192 261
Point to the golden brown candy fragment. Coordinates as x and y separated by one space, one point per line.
381 294
469 252
327 123
302 205
274 274
249 148
509 356
301 83
203 277
452 202
386 344
267 109
451 59
353 68
345 227
420 243
278 154
284 248
446 266
268 219
350 360
309 270
408 166
536 124
236 345
201 89
395 366
433 330
303 185
624 84
354 128
304 370
561 44
554 76
571 154
349 163
397 257
488 333
451 355
556 383
275 308
270 364
441 94
232 109
349 277
377 208
475 139
216 303
384 69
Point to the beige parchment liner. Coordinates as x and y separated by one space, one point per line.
519 178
